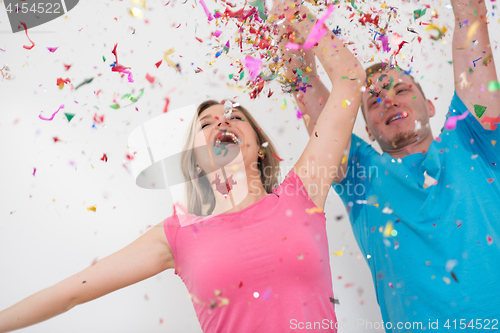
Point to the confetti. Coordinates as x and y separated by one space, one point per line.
92 208
51 118
317 32
69 116
314 210
479 110
207 12
52 49
388 229
489 239
254 65
32 43
429 181
493 86
225 187
441 31
87 81
168 60
451 123
277 157
116 67
339 253
470 34
492 122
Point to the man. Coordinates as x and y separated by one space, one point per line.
426 213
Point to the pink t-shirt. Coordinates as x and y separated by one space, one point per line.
262 269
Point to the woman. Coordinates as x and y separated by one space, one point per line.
253 259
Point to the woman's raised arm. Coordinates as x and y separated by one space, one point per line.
323 156
147 256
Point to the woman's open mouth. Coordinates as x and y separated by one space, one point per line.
225 137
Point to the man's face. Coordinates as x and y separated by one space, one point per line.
397 114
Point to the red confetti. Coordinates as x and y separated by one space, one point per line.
26 30
199 39
277 157
104 158
130 157
150 78
158 63
492 122
52 49
490 180
489 240
67 67
167 102
56 139
98 119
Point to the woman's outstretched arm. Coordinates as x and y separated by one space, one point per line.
147 256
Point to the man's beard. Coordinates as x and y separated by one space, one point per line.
403 139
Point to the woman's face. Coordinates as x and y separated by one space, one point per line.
220 140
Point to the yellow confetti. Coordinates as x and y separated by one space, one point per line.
441 31
388 229
92 208
345 103
344 159
314 210
470 34
168 60
338 253
493 142
307 119
283 106
308 69
464 84
136 12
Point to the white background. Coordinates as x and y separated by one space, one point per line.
46 231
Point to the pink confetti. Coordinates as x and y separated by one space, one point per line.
51 118
34 171
217 33
210 18
489 239
451 123
317 32
254 65
52 49
299 114
385 43
492 122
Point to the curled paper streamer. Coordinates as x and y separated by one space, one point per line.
26 30
254 65
451 123
205 8
51 118
316 34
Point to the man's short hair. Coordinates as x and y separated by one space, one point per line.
378 68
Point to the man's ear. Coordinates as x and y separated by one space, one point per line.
369 133
431 107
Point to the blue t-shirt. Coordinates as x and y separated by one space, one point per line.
434 252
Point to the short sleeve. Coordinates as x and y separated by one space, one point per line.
470 130
292 185
171 227
354 187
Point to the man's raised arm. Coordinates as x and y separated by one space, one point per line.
473 64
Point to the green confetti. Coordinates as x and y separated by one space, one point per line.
114 106
415 97
260 6
69 116
103 59
87 81
493 86
241 75
305 79
479 109
419 13
345 77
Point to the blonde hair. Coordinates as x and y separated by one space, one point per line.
200 193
